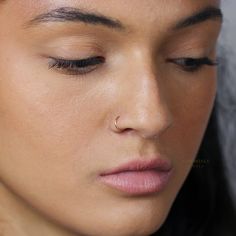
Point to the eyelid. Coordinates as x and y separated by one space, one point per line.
194 64
79 62
76 67
73 48
204 60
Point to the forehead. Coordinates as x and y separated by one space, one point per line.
132 12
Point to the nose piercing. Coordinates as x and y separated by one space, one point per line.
116 123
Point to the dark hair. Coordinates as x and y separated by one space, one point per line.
204 206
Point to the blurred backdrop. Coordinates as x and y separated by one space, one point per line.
226 97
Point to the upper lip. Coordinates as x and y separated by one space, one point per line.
142 164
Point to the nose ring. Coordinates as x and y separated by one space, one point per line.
116 123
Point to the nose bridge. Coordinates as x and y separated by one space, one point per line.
147 101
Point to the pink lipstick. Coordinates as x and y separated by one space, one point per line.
139 176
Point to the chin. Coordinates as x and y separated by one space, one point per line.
133 221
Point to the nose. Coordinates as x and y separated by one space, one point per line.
145 109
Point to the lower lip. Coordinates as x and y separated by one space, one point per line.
138 182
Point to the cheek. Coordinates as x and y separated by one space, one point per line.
195 115
191 118
47 119
47 130
46 110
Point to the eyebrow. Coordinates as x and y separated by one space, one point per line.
69 14
208 13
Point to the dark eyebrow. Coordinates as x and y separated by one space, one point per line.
76 15
208 13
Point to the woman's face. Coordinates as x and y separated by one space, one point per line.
57 132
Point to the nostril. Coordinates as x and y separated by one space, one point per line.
128 130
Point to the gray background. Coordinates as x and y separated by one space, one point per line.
226 96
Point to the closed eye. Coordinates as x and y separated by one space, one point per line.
193 64
76 67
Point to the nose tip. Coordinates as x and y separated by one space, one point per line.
148 115
146 126
152 123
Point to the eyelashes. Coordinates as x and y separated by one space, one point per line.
193 64
76 67
87 65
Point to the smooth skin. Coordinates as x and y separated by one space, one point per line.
57 129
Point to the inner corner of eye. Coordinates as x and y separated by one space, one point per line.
52 62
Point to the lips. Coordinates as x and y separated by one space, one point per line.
140 176
141 165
